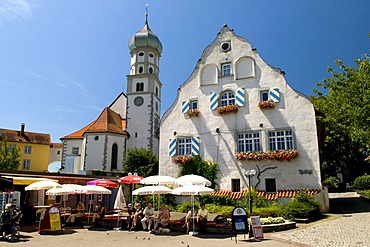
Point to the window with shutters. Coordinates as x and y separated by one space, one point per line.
249 142
227 98
184 146
193 104
264 95
281 140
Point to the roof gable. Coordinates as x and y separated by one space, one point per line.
26 137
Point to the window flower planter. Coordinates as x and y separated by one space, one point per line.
227 109
193 113
182 159
266 105
282 155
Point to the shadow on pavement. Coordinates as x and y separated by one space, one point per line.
349 205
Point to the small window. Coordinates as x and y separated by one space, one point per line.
270 184
141 70
96 138
194 104
141 54
26 164
11 147
249 142
184 146
226 69
139 86
235 185
151 70
27 149
156 91
58 199
75 150
264 95
225 46
227 98
281 140
151 55
58 152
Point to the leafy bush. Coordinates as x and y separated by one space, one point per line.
302 206
365 193
332 183
185 207
362 183
265 212
270 220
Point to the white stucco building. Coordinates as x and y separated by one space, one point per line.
131 121
226 88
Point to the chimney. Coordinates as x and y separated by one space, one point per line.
23 125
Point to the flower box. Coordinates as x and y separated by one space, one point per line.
227 109
266 105
193 113
281 155
183 159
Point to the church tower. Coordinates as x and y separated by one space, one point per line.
144 90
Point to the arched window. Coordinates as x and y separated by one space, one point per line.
208 75
245 68
113 164
141 70
227 98
139 86
150 70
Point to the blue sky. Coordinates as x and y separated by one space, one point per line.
62 62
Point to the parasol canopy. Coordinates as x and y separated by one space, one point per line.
120 201
130 179
159 180
43 185
93 189
191 190
65 189
152 190
103 183
193 180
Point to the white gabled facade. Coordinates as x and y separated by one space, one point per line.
230 72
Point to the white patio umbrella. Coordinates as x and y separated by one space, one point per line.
64 189
42 185
152 190
158 180
193 180
192 190
120 199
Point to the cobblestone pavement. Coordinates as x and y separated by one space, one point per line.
345 230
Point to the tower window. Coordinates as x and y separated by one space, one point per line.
151 55
156 91
141 70
141 54
151 70
139 86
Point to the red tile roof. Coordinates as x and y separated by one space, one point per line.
268 196
56 145
26 137
108 121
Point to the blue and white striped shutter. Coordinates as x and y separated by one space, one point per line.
240 96
172 147
195 140
185 106
213 100
274 94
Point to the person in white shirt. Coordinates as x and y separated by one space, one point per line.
148 217
202 218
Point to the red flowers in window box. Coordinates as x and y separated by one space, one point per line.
193 113
227 109
266 105
281 155
183 159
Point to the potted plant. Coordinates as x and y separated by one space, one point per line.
193 113
280 155
227 109
266 105
182 159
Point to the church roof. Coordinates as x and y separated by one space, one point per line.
25 137
107 122
145 38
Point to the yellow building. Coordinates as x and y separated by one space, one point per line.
34 148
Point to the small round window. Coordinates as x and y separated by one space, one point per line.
141 54
151 70
96 138
225 46
151 55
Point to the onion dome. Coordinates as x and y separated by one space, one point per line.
145 38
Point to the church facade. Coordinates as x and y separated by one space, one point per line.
131 121
239 112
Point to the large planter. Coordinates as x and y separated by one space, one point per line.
227 109
266 105
281 155
183 159
193 113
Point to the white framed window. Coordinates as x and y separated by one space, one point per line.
227 98
184 146
75 150
226 69
249 142
264 95
27 149
281 140
139 86
193 104
26 164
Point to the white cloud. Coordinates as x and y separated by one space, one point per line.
11 10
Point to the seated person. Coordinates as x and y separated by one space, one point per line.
190 217
163 217
131 211
202 217
138 215
148 217
80 212
99 212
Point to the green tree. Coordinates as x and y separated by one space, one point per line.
197 166
345 112
9 156
142 161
